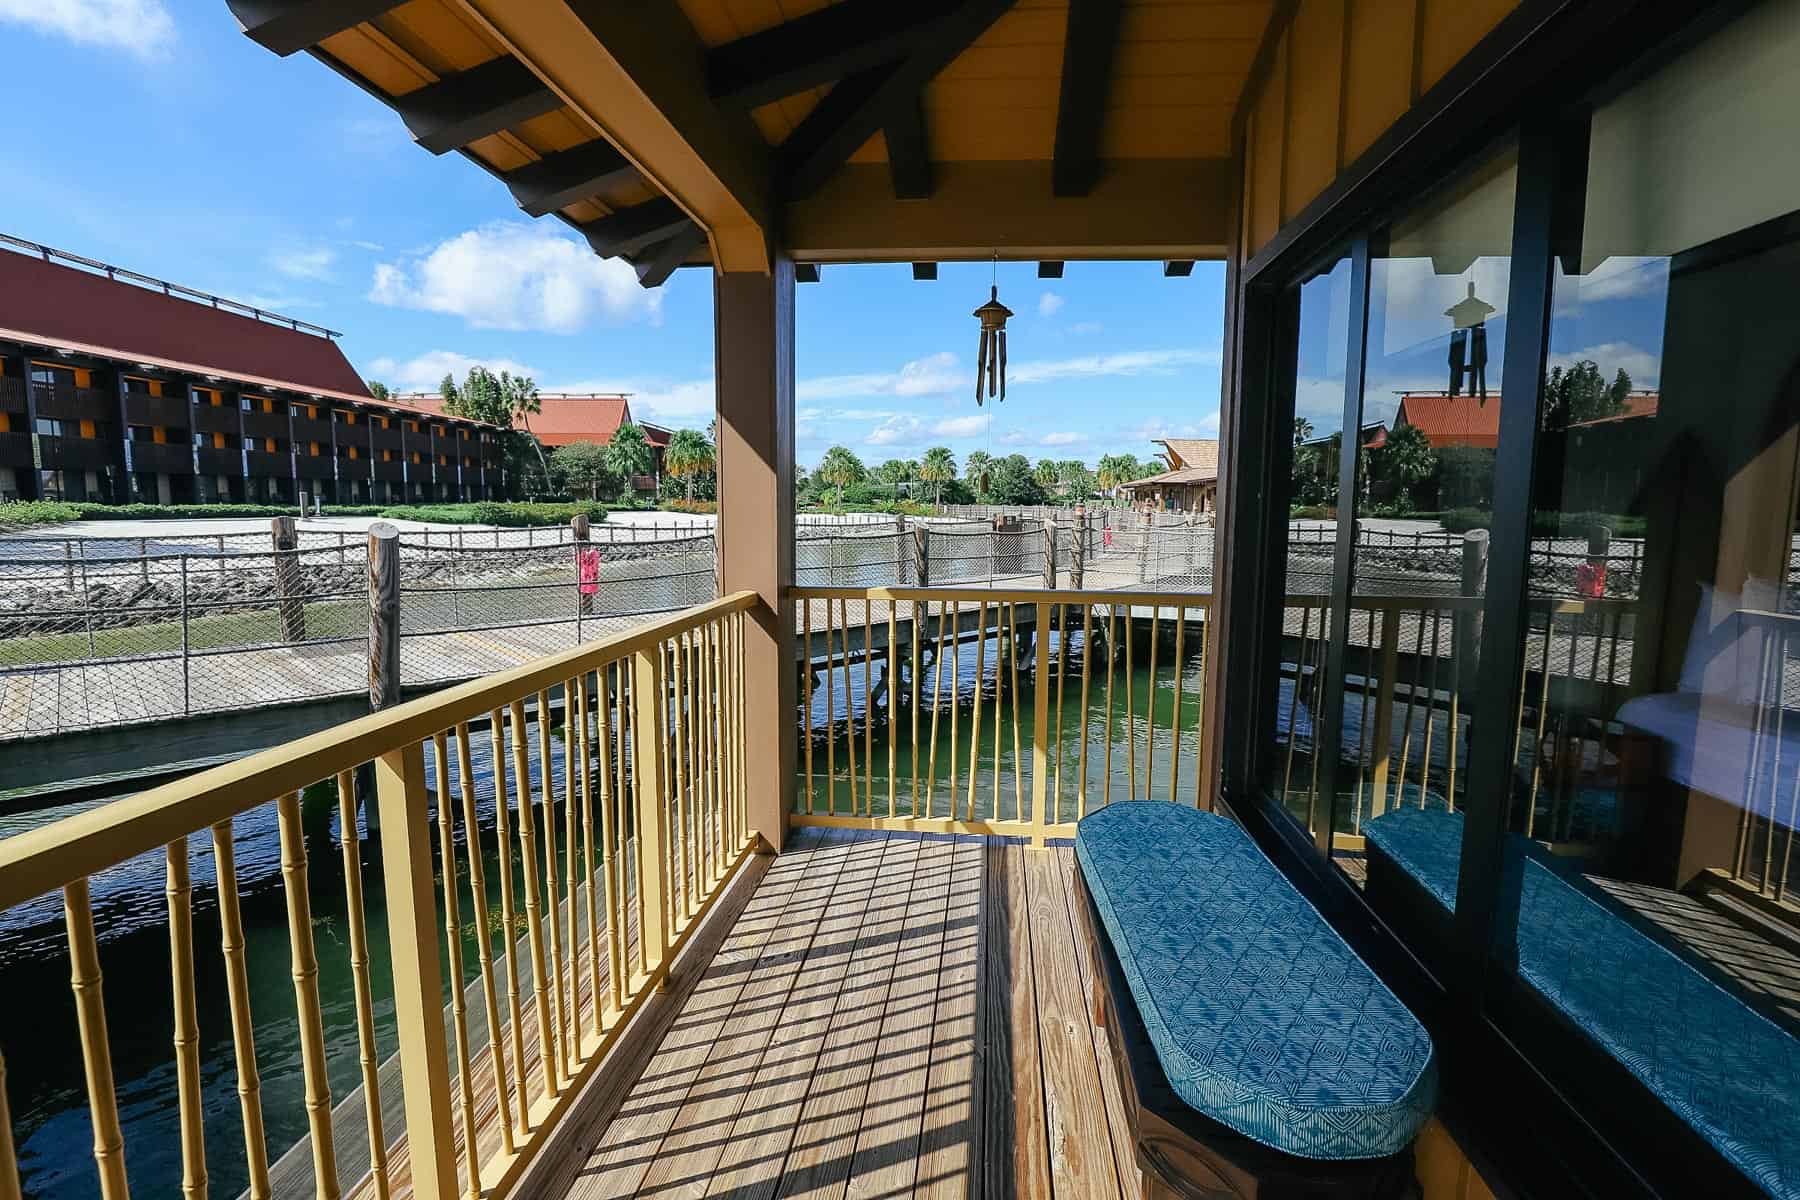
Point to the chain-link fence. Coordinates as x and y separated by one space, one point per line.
124 639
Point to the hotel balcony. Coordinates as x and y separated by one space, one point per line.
263 464
172 458
75 453
167 411
218 418
262 424
75 404
215 461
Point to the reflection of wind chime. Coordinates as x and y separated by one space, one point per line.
1468 344
990 367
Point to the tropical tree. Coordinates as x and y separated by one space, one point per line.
1116 469
379 390
517 396
979 471
689 455
937 468
1580 393
583 465
1303 430
1048 472
893 472
628 454
1075 478
1013 481
840 468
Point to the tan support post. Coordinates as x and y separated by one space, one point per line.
753 331
1050 554
384 616
418 976
649 745
287 579
1040 724
1078 548
921 552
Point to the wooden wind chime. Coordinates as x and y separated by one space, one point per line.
990 366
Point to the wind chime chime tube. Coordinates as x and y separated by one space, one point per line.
990 364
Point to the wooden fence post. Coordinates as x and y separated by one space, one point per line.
287 579
384 615
418 979
1049 555
1468 624
1146 521
1078 549
584 601
921 554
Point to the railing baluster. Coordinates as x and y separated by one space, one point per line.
1175 721
849 706
1130 707
686 810
806 695
243 1033
1112 614
892 704
552 885
180 891
570 717
1062 672
919 611
484 957
96 1049
359 976
1087 649
1293 711
534 919
1200 713
306 996
868 713
1002 637
609 839
937 691
459 1019
1012 640
830 716
1040 720
1150 710
509 934
975 719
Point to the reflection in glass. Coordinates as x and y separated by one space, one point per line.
1428 427
1311 498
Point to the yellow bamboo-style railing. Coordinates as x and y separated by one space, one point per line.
1019 701
621 856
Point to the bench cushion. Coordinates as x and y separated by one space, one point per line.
1262 1018
1728 1071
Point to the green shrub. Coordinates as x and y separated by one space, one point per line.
93 511
1461 520
1311 512
18 514
691 506
512 514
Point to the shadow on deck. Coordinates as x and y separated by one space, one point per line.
889 1015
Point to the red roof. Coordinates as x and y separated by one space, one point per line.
1452 420
569 418
69 308
1637 404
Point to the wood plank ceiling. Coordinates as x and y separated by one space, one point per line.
916 88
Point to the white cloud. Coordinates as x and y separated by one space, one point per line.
1616 278
1063 437
933 375
304 262
679 404
1019 437
1131 362
896 430
423 373
511 275
1644 367
1048 304
967 426
1152 430
140 27
371 247
1083 328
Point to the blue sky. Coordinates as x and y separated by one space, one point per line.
161 139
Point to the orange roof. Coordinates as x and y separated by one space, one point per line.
1452 420
566 418
1637 404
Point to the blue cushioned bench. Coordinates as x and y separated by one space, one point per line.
1729 1072
1232 996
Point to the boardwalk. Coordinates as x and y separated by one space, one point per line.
891 1015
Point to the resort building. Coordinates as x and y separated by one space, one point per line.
568 417
119 388
1191 484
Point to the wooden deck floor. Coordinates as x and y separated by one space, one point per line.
891 1015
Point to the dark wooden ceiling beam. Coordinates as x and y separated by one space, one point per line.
924 271
1090 48
909 150
819 48
864 102
634 229
806 272
473 104
558 180
285 26
1178 268
1050 269
660 260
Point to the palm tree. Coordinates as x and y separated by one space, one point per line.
1116 469
1303 431
840 468
521 396
1048 472
628 453
937 468
980 463
689 454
